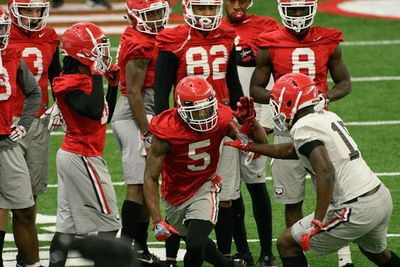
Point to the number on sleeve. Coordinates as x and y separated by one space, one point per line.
194 155
304 61
37 63
344 135
5 86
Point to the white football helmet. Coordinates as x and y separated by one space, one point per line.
5 23
201 22
297 23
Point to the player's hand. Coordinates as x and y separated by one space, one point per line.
146 141
56 118
17 133
162 230
245 110
112 75
323 102
242 142
98 67
316 227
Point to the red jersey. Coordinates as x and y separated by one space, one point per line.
37 51
309 56
136 45
83 136
10 58
193 157
201 55
247 31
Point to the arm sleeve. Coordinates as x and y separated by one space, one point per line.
90 106
111 98
33 95
232 80
55 67
165 78
307 148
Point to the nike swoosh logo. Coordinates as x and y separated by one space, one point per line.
316 39
146 261
41 35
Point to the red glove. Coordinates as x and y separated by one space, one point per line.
95 70
242 142
112 75
162 230
245 110
317 227
146 139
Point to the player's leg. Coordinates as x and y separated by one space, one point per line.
290 252
171 250
59 247
3 230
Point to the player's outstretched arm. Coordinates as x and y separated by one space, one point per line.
155 158
260 78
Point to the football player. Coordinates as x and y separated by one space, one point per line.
39 46
299 47
352 205
15 185
136 58
204 47
86 197
185 150
252 172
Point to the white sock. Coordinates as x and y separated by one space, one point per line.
344 256
36 264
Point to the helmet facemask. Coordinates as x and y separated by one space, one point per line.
202 22
297 23
201 116
5 24
147 20
28 22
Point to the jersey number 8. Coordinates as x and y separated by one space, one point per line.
197 61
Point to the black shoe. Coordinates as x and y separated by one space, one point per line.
147 259
239 263
267 261
57 3
348 265
20 261
248 258
169 263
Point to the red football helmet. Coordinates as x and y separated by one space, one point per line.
291 93
297 23
5 24
197 104
30 15
87 43
148 16
202 22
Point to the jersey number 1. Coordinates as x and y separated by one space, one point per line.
354 154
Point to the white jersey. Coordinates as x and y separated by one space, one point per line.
353 176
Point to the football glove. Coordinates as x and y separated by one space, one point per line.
56 118
242 142
323 102
112 75
17 133
315 228
162 230
145 142
245 110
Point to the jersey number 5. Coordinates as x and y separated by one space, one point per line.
194 155
197 61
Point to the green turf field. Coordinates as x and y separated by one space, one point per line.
369 101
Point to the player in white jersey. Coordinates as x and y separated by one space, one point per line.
353 205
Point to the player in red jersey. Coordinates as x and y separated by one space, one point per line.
204 47
253 173
300 48
86 197
186 150
137 57
15 186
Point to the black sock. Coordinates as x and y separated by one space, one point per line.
393 262
214 256
141 236
2 235
239 228
130 215
172 246
263 215
224 230
59 248
297 261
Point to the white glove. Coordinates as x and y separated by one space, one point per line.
323 102
17 133
56 118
